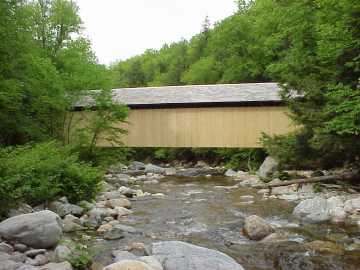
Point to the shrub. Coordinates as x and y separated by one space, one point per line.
292 150
38 173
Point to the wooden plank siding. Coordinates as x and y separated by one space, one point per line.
203 127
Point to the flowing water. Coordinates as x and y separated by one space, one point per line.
210 212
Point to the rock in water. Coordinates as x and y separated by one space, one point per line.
175 255
268 167
256 228
38 230
313 210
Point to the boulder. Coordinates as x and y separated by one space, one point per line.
34 252
268 167
320 209
119 178
62 253
72 224
113 203
96 216
170 171
27 267
122 211
137 166
257 228
175 255
313 210
57 266
38 230
9 265
6 248
20 210
121 255
20 247
124 228
150 168
251 181
63 209
152 262
127 192
114 234
336 209
230 173
352 206
129 265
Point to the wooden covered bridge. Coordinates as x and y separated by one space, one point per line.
223 115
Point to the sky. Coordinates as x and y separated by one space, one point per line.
120 29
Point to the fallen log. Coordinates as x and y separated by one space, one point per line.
346 176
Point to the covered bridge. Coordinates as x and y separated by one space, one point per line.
222 115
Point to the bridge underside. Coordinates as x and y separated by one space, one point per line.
228 127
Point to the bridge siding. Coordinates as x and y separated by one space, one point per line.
202 127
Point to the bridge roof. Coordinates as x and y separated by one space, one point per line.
197 95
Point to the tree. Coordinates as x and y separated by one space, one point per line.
99 124
55 21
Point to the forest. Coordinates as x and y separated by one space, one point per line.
46 64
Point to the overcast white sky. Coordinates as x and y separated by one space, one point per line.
120 29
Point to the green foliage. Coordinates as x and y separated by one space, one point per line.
103 124
239 159
82 257
38 173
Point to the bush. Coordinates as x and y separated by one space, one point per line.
39 173
292 151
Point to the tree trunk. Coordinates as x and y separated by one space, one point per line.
346 176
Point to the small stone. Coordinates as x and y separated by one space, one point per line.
114 234
122 211
104 228
22 209
33 252
41 260
57 266
118 203
20 247
62 253
125 228
121 255
4 247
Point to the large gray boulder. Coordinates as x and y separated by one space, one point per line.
37 230
313 210
175 255
268 167
257 228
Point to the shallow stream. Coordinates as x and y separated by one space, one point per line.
210 212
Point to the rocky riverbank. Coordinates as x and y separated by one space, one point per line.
130 222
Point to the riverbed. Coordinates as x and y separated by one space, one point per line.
210 212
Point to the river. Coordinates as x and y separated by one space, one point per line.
210 212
